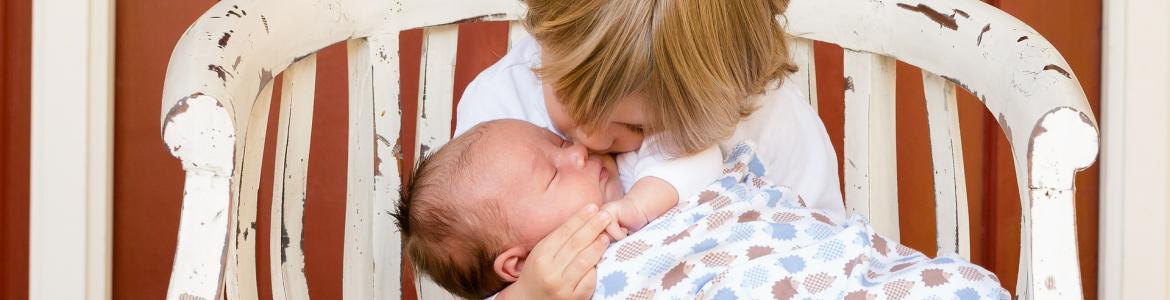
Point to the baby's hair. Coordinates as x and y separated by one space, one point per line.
447 235
697 62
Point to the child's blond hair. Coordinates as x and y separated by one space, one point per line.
697 62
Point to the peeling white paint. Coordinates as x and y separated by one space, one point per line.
950 181
286 255
1064 141
436 97
199 132
871 171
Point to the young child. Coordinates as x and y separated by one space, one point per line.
478 205
481 204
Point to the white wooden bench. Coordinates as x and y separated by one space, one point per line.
219 83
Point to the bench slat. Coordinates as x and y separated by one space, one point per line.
950 184
387 123
358 261
436 96
286 255
805 77
241 270
871 168
516 32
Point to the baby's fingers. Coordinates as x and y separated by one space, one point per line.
615 230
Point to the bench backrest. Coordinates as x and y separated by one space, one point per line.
219 85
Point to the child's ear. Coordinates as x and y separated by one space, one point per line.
509 263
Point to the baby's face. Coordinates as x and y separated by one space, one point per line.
543 178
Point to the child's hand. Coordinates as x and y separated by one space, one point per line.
629 218
562 265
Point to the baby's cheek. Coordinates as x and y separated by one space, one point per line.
541 224
535 227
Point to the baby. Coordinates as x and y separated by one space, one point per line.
478 207
502 187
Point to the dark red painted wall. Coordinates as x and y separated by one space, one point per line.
15 51
147 180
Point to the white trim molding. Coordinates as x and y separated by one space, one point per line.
1135 217
71 165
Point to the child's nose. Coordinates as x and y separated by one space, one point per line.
598 141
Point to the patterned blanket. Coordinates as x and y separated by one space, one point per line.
745 238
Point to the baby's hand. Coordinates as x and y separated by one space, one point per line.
629 218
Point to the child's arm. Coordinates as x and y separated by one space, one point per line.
649 198
660 183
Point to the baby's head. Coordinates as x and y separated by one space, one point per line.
500 187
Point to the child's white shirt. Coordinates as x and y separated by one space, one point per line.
688 175
789 135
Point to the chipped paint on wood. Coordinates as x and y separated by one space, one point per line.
289 181
1058 69
358 254
436 87
871 179
943 20
199 132
1063 142
979 40
387 240
219 72
224 40
241 276
436 95
961 13
950 187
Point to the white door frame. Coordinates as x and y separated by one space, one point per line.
71 144
1135 155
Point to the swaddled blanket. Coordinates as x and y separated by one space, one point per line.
745 238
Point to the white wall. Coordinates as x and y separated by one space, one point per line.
1135 231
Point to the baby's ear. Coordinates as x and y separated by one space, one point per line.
509 263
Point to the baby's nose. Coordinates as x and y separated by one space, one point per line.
577 154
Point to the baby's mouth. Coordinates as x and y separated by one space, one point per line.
603 175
